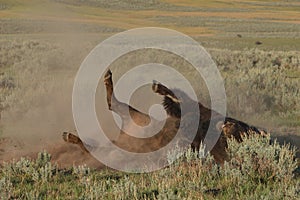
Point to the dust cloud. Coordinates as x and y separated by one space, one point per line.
41 108
38 117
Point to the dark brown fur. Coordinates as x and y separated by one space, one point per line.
230 127
172 105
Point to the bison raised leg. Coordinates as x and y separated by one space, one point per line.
171 103
125 111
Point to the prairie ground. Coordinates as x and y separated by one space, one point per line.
43 43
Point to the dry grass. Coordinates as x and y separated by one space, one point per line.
127 18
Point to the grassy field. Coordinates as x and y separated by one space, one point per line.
43 42
261 171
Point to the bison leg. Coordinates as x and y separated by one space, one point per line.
164 91
70 138
171 103
109 89
126 112
113 104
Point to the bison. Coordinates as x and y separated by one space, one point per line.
178 121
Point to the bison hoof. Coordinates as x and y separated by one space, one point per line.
107 78
66 136
107 75
155 85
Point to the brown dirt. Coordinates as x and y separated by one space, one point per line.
65 155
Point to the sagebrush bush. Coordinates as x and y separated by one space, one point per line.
258 169
261 83
23 69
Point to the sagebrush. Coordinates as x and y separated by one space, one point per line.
259 169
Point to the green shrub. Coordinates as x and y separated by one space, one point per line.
257 170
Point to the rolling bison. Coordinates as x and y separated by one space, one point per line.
178 121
